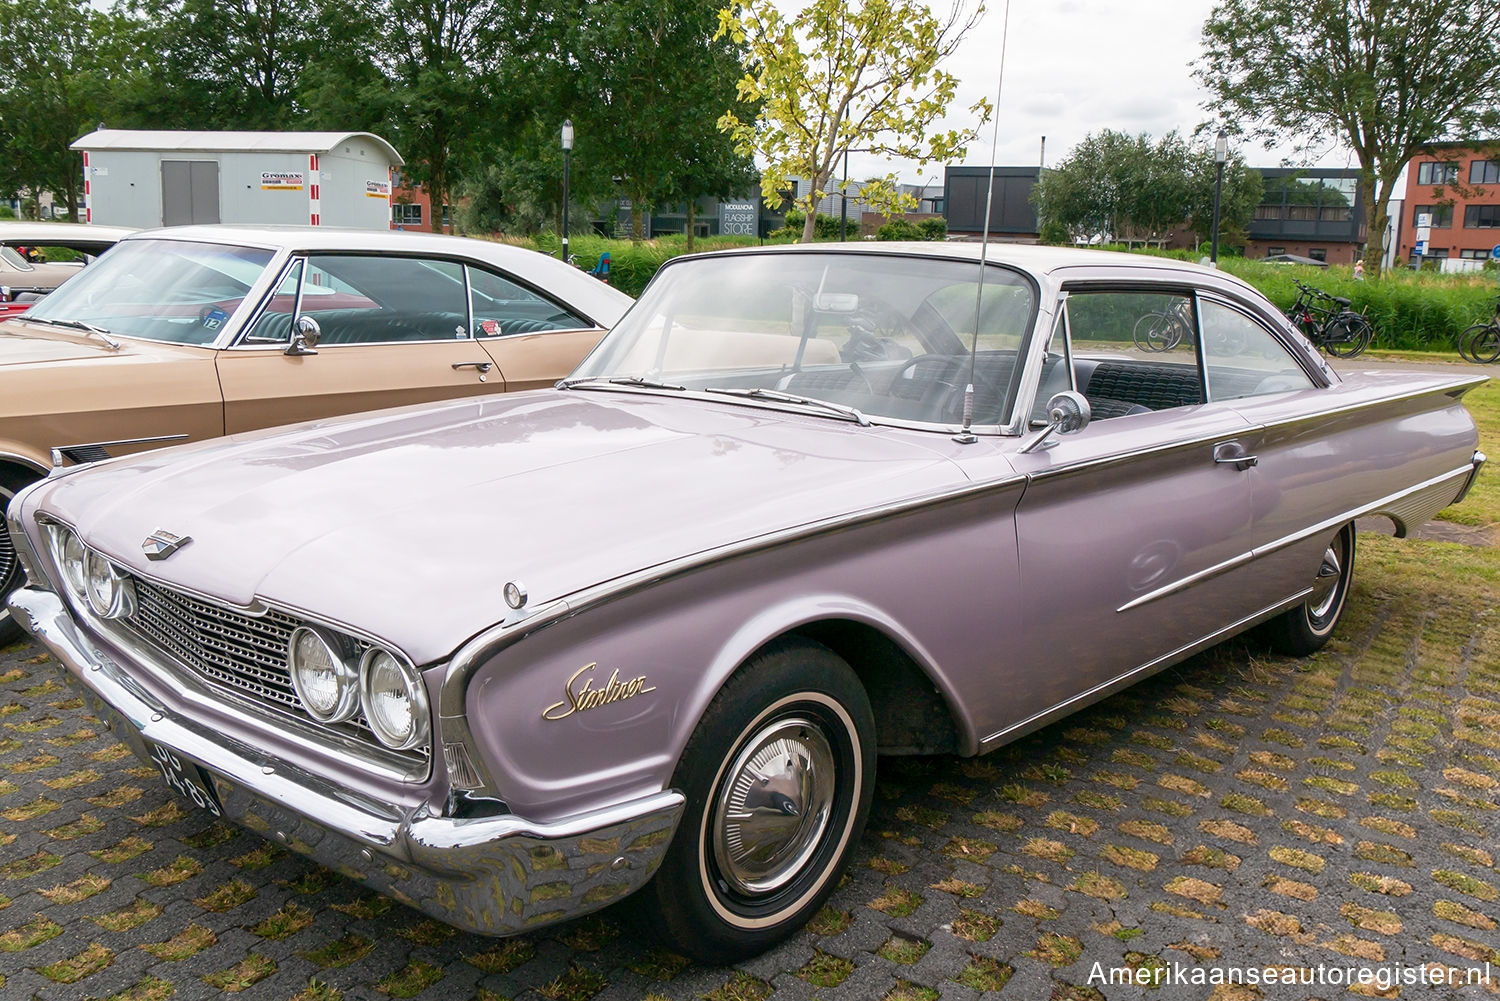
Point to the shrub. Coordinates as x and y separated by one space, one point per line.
825 227
899 229
935 228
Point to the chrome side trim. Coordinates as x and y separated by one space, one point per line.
1064 708
1392 501
1188 581
59 452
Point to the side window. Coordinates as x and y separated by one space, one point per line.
503 307
274 325
379 300
1134 352
1243 358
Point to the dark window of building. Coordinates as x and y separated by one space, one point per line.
447 215
1273 251
406 215
1482 217
1318 254
1442 215
1441 253
1474 255
1484 172
1433 172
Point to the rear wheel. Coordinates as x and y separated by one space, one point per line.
778 778
11 482
1304 629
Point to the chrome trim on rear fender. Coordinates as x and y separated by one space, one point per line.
1479 460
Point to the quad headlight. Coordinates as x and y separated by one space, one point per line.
394 700
110 593
326 681
67 557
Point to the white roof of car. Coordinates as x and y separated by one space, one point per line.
169 140
598 301
60 234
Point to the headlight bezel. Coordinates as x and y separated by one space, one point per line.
110 594
346 676
413 688
69 567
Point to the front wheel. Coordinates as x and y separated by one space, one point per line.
778 778
1347 335
1480 343
11 482
1304 629
1157 332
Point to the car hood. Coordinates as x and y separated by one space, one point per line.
407 524
23 343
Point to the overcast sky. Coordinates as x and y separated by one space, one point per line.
1074 67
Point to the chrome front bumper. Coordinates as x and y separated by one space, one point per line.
493 875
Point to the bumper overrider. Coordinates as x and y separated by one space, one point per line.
496 875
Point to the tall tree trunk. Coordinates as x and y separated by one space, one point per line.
1376 218
691 205
637 222
810 224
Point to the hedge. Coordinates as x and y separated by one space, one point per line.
1411 310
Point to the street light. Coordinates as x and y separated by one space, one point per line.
567 147
1221 154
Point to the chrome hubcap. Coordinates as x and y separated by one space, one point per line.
774 806
1326 586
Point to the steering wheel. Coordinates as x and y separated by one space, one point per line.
951 382
869 338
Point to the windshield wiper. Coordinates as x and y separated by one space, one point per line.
621 380
758 393
83 325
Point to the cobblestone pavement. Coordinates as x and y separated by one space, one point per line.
1239 809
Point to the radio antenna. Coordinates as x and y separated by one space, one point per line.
965 435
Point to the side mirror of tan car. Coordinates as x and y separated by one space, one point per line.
305 336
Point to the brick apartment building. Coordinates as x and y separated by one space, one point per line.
1459 186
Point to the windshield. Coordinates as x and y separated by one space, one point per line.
162 290
889 335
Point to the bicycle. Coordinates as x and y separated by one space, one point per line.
1335 328
1480 343
1163 329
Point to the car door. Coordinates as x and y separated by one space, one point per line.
392 331
533 339
1130 531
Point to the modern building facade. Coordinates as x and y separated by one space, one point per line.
1012 215
170 178
1313 213
1458 189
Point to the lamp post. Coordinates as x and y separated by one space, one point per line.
567 148
1221 154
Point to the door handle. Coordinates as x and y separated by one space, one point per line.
1232 453
482 366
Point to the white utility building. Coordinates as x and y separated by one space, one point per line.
162 178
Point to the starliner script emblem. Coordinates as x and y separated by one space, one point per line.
160 544
581 699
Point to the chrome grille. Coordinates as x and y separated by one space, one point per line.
246 654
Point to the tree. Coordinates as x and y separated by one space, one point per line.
53 82
1385 77
1118 186
844 76
1242 192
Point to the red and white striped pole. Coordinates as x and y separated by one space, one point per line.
313 201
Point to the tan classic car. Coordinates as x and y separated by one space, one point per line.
196 332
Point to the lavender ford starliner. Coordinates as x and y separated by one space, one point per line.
513 659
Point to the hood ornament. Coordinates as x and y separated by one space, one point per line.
161 544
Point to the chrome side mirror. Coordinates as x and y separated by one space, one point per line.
305 336
1067 413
